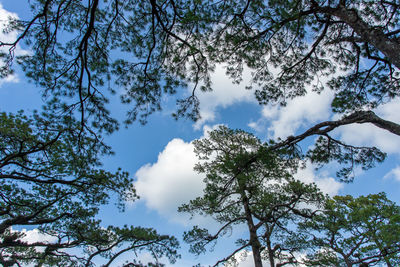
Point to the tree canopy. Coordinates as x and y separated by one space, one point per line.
51 179
154 47
151 48
292 44
361 231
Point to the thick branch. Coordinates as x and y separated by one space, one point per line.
327 126
373 35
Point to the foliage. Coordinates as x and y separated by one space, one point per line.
80 47
250 183
241 189
328 149
355 231
51 180
293 44
150 48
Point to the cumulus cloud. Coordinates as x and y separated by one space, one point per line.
299 112
328 185
34 235
4 17
370 135
245 259
146 258
224 94
171 181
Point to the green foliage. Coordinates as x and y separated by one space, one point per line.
292 45
350 231
152 48
149 49
327 149
82 47
51 180
198 238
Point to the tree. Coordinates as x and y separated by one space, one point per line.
150 48
350 231
154 47
51 179
263 195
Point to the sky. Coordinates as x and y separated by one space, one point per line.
160 157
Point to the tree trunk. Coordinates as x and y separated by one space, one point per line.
254 242
382 250
347 261
270 253
256 248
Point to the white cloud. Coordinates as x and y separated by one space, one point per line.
146 258
299 112
4 16
328 185
394 173
8 37
370 135
224 94
34 235
171 181
257 126
245 259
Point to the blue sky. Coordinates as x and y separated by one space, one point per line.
159 155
